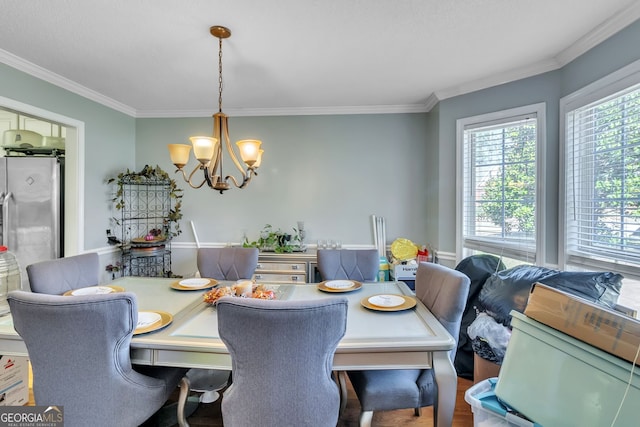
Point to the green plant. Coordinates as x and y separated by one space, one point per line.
150 175
274 240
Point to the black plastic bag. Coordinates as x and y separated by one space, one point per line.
509 289
596 287
478 268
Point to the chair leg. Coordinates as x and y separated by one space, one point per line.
417 411
342 382
185 386
365 418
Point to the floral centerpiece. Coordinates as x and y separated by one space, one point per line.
246 289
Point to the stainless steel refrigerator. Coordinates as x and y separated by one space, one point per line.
31 214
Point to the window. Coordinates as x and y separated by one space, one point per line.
602 175
500 207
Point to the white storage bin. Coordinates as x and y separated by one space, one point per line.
557 380
488 411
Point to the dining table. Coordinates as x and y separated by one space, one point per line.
376 337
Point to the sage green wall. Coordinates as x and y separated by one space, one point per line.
109 142
332 172
430 177
610 55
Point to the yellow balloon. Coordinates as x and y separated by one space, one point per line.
403 249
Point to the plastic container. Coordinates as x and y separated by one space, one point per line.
9 277
487 409
558 380
383 271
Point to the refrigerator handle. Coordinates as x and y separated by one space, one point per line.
5 217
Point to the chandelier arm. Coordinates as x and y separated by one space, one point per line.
207 176
232 154
216 161
189 179
245 180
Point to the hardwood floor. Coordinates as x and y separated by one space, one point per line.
209 414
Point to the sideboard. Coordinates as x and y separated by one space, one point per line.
295 267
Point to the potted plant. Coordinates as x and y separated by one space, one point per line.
272 240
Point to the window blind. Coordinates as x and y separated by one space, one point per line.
499 185
602 190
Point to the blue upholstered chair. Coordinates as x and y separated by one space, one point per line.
444 292
282 355
229 263
353 264
60 275
79 351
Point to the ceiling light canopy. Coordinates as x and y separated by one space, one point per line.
208 150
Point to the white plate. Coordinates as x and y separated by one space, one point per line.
147 318
386 300
339 284
92 290
194 283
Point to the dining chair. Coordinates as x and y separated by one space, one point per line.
228 263
281 356
60 275
352 264
444 292
79 351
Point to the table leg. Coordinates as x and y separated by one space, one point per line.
185 386
447 382
342 382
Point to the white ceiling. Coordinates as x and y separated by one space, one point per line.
156 58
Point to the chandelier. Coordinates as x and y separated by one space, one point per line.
209 150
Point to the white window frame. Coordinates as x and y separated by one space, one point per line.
516 251
615 82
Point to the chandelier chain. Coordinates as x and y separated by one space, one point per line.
220 75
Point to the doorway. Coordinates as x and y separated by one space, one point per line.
73 171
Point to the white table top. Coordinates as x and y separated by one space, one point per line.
195 328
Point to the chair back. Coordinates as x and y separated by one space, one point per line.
227 263
444 292
351 264
60 275
79 351
282 356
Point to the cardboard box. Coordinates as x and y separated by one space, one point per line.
605 329
404 271
14 381
484 369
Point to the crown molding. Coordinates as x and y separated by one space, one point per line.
34 70
292 111
498 79
432 101
611 26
